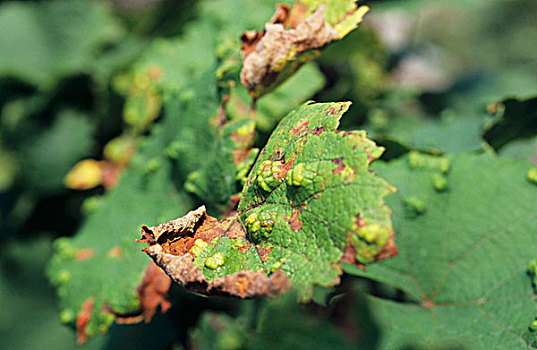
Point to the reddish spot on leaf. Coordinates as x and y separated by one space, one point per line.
388 250
301 126
109 174
360 222
243 140
85 254
154 73
349 253
247 284
295 222
114 252
345 133
334 111
83 319
318 131
240 155
264 252
340 166
236 231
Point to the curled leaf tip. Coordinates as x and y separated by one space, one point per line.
293 37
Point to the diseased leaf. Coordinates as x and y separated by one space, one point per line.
98 272
292 38
146 193
309 203
463 260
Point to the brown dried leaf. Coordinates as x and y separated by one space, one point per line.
265 55
171 229
175 257
289 40
153 291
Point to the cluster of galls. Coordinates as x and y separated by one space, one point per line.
259 225
370 240
299 175
265 174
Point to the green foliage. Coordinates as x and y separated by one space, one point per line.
146 193
37 48
151 91
220 331
447 133
46 173
228 163
102 262
462 264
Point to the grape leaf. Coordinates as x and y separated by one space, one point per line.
463 256
100 269
270 57
227 165
526 148
145 193
446 133
309 203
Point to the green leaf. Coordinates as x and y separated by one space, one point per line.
102 263
449 132
309 203
44 42
526 148
463 258
145 193
28 315
228 164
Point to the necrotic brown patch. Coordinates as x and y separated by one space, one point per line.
264 252
295 222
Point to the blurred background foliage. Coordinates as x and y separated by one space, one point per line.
86 80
